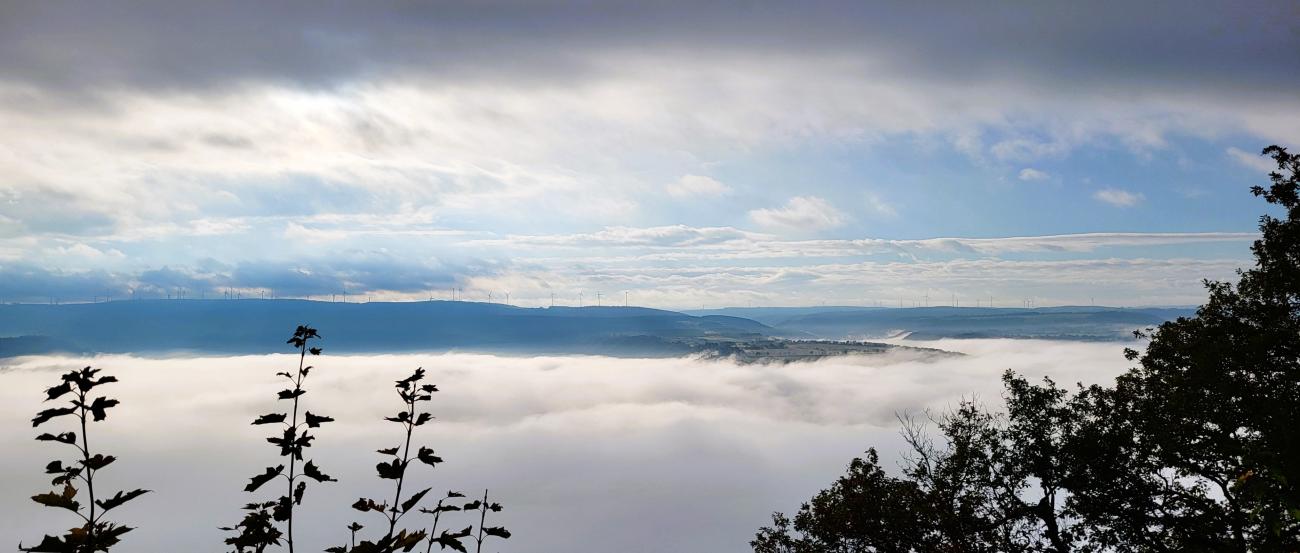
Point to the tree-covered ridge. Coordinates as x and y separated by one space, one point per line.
1195 449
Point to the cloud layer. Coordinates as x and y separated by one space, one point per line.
587 453
309 149
672 267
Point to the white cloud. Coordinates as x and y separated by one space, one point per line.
1029 149
696 186
719 277
1086 242
1118 198
1253 161
88 253
802 213
665 236
678 242
1030 174
877 205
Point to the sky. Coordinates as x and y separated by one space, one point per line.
686 154
585 453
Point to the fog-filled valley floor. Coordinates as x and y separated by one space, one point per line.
586 453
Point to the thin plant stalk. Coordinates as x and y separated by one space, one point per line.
482 517
395 513
293 475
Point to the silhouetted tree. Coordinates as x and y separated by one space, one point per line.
256 533
95 534
1195 449
963 481
865 510
1216 397
1120 493
1037 459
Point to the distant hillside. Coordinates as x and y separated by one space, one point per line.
767 315
260 326
1064 323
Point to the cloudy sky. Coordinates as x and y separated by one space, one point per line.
688 153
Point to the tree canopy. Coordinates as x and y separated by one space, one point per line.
1197 448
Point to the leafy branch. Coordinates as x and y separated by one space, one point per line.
446 539
485 531
412 394
95 534
256 531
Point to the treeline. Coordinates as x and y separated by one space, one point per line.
1197 448
266 524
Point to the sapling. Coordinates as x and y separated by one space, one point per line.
95 534
412 394
485 531
253 534
446 539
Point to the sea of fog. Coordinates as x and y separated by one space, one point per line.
589 454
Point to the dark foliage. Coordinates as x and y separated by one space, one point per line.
95 533
395 468
865 510
258 531
446 540
485 531
1195 449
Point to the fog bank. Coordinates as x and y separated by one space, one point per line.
586 453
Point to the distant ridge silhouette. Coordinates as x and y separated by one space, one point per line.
241 326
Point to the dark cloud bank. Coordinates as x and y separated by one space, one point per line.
80 46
